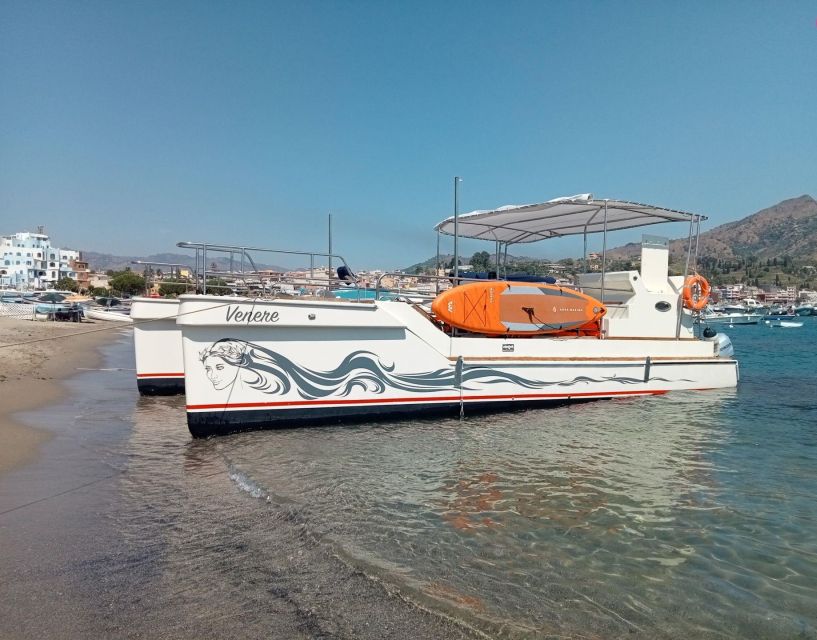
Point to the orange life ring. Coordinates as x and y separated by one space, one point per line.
688 292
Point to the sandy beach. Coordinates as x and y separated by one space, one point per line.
93 500
35 357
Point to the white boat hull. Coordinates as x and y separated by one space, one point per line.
732 318
157 342
255 364
107 316
785 324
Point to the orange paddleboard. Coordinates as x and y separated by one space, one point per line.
497 307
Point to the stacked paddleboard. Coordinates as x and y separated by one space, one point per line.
517 308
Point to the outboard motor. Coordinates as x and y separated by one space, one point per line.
723 345
346 274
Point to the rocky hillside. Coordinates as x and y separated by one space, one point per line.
788 228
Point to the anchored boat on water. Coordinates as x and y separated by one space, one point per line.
710 316
254 363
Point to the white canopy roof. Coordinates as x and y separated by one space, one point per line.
560 217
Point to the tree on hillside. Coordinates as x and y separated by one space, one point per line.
127 283
481 261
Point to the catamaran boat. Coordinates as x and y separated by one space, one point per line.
496 345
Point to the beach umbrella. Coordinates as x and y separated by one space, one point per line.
52 297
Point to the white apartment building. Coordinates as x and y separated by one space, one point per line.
783 296
29 261
734 292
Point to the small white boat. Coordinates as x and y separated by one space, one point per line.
785 324
716 317
107 314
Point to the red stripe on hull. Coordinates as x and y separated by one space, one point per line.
368 401
160 375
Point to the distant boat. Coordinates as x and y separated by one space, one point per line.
717 317
45 308
11 296
785 324
58 311
747 305
108 301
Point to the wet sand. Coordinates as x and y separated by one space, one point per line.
36 357
89 549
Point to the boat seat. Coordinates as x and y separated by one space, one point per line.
618 285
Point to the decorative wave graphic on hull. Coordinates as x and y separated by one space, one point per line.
271 373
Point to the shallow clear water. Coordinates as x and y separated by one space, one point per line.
687 515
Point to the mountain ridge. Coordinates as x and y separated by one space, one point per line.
105 261
788 228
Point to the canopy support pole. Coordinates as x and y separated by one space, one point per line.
437 270
456 232
604 253
585 249
329 268
697 236
686 274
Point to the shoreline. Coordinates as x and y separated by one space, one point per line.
37 357
118 538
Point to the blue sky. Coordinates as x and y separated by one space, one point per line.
128 126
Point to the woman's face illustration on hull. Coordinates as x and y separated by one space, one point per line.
222 362
220 372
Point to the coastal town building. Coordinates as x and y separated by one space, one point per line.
29 261
787 296
732 292
83 273
99 280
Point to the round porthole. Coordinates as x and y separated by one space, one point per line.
663 305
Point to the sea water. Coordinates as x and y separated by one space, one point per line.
687 515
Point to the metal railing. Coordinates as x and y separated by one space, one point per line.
241 257
401 291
